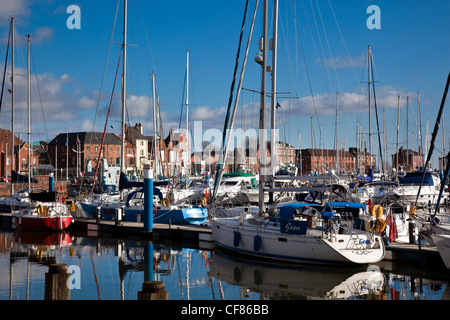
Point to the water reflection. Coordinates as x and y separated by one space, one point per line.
118 269
276 281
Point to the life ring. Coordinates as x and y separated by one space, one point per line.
154 210
165 202
40 210
204 201
376 211
380 225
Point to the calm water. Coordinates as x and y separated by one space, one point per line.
115 269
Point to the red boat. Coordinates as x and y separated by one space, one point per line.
43 215
42 223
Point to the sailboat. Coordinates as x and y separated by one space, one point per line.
43 212
296 232
442 242
131 201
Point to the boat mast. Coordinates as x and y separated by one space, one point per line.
12 104
398 129
29 114
262 118
124 70
273 151
336 166
407 133
370 117
155 166
188 160
419 136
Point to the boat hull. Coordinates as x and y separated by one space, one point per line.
340 249
164 215
443 244
43 223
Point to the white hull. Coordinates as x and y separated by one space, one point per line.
443 244
408 195
355 248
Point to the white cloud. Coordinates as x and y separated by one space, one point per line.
42 35
86 102
344 62
14 8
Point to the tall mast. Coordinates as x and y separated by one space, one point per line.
369 62
262 117
124 74
155 166
336 167
419 136
407 132
12 104
29 114
398 128
273 144
188 160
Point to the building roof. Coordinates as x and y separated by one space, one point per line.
133 133
85 138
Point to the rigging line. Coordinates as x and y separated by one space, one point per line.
433 135
316 50
333 62
306 70
321 46
343 40
6 63
39 93
104 70
378 125
106 125
227 117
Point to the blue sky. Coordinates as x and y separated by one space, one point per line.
322 52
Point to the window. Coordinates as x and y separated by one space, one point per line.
88 148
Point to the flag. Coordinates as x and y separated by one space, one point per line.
278 105
77 141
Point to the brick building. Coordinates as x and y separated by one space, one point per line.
20 155
68 152
408 159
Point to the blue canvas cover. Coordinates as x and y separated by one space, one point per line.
344 204
156 191
288 224
415 178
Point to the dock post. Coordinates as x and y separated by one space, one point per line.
153 290
148 262
56 287
119 216
412 231
50 182
148 200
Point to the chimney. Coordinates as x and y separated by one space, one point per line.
138 127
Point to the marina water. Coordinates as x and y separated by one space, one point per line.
115 269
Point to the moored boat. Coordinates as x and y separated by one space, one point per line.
442 242
298 232
44 213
